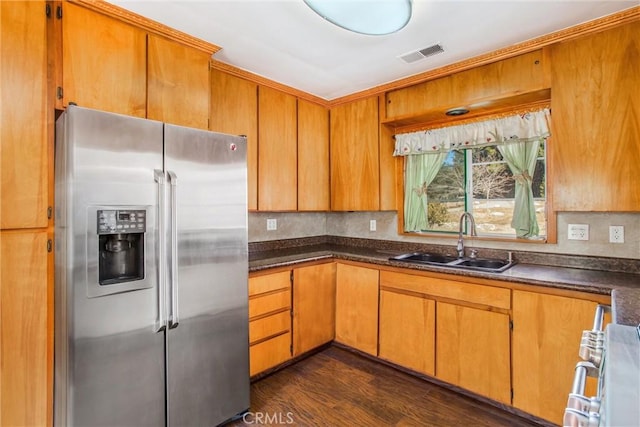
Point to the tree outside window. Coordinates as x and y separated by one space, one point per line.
479 180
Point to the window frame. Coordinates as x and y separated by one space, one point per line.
550 213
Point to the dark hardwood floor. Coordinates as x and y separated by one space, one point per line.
339 388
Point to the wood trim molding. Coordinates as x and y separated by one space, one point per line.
147 24
597 25
263 81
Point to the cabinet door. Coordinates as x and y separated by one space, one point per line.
355 175
24 161
407 331
277 151
501 79
104 62
313 157
357 307
594 153
178 84
314 306
546 338
25 380
472 350
234 110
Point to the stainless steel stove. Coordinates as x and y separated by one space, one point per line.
613 356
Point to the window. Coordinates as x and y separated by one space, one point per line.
494 169
479 180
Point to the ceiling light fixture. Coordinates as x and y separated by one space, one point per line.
374 18
456 111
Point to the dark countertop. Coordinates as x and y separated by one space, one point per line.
626 298
626 306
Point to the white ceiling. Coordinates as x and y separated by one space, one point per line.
285 41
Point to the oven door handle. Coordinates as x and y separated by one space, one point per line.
598 318
581 410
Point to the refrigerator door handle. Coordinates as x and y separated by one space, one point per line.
173 317
161 321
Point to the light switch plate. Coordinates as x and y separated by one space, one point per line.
272 224
372 225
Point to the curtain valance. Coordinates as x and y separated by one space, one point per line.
532 126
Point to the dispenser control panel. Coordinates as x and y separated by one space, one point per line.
122 221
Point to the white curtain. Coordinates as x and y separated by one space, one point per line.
518 128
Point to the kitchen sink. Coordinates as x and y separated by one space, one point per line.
483 263
425 258
492 265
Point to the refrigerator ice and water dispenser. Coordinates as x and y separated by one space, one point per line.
120 246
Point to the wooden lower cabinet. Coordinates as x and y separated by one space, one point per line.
26 351
546 337
357 307
407 330
455 330
314 306
269 321
472 350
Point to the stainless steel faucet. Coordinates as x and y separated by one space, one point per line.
473 233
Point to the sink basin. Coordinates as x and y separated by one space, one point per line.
492 265
425 258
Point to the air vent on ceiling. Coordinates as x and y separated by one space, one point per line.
417 55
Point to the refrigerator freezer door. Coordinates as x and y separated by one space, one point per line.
109 362
207 344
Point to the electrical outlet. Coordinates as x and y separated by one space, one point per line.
616 234
372 225
272 224
578 232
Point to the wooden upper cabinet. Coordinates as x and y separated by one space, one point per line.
355 174
594 151
234 110
24 162
178 83
501 79
104 62
314 306
522 73
277 150
313 157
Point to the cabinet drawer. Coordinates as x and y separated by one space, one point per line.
268 283
469 292
271 302
270 353
269 326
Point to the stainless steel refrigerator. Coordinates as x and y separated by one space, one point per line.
151 322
